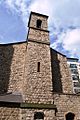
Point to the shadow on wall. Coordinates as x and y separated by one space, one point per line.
56 75
6 54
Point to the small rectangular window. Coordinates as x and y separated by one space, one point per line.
77 90
73 66
74 71
38 67
76 84
75 77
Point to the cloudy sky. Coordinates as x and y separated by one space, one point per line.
63 22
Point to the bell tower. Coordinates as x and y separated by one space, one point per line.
38 28
38 76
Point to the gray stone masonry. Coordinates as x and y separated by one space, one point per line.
38 85
66 103
35 17
9 113
38 34
61 77
29 114
38 74
12 61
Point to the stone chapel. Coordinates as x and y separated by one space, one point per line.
35 80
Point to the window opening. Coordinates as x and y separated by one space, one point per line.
73 66
75 77
38 67
76 84
38 24
70 116
74 71
39 116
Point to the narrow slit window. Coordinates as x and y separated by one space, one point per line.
38 67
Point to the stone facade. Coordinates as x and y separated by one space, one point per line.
14 111
37 85
9 113
62 81
29 114
66 103
39 74
12 60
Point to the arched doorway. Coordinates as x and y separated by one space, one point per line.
39 116
70 116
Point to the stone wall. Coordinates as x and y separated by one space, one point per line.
12 61
61 77
6 55
9 113
66 103
38 85
38 35
17 68
28 114
63 96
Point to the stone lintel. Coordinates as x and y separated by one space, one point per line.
27 105
37 106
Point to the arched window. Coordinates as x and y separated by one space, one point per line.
39 116
70 116
38 23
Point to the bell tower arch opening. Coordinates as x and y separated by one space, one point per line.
38 23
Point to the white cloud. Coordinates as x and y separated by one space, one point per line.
1 1
63 17
59 40
20 7
71 41
41 6
61 13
